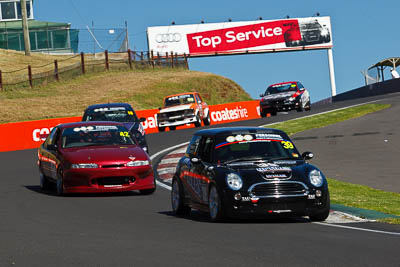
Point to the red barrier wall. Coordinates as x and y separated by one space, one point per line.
26 135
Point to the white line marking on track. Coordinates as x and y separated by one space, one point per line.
161 152
356 228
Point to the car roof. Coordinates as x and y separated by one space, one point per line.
186 93
109 105
283 83
237 130
88 123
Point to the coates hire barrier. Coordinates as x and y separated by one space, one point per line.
26 135
258 36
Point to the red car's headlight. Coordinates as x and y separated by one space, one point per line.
137 163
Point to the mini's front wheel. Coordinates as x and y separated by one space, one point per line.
178 199
215 205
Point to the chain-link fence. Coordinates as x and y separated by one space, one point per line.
80 64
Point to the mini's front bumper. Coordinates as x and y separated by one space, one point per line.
275 206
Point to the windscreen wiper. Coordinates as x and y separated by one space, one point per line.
245 159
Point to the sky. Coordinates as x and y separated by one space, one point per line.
363 33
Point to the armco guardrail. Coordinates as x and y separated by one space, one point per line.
26 135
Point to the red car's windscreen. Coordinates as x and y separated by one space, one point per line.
95 135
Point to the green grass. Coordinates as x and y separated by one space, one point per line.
143 88
319 121
361 196
351 195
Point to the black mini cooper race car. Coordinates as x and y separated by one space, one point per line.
231 172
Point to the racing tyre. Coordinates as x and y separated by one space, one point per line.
207 119
216 208
198 121
44 182
60 183
321 216
172 128
178 199
263 114
161 129
308 106
300 108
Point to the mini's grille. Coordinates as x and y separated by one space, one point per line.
278 189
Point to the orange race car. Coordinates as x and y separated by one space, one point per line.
181 109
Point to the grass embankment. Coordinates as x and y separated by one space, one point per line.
351 195
361 196
143 89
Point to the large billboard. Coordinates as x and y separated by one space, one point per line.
241 37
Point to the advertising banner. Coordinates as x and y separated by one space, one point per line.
241 37
26 135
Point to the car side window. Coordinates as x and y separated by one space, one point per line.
193 146
199 99
299 85
206 149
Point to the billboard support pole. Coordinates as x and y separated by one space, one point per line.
331 71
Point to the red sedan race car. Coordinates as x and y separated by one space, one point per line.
94 157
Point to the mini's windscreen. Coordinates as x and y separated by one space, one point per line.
266 146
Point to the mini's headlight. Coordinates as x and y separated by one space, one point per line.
291 99
234 181
316 178
84 166
138 163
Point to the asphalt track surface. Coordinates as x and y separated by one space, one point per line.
40 229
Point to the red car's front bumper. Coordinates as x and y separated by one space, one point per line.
102 180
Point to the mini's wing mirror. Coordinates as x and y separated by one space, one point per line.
302 89
142 119
307 155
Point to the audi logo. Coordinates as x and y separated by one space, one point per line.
168 37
